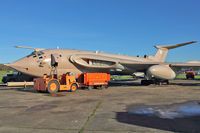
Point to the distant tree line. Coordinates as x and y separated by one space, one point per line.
5 68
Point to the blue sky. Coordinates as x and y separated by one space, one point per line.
128 27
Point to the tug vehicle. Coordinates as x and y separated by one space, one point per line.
52 84
67 82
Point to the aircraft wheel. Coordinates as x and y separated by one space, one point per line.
167 82
146 82
73 87
53 86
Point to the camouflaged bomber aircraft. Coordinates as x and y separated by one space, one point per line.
154 68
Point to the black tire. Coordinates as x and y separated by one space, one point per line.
90 87
53 90
95 87
167 81
73 87
143 82
146 82
104 87
4 80
193 77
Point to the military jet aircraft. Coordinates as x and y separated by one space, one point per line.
39 63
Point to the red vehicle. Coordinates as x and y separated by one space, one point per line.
190 74
93 80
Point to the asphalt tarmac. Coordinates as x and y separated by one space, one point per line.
100 111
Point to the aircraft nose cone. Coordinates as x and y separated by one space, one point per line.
15 66
22 65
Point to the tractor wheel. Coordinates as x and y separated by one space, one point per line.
73 87
53 86
104 87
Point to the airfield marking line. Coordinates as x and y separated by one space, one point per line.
90 117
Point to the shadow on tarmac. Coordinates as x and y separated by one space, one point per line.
186 125
27 89
178 117
186 84
138 83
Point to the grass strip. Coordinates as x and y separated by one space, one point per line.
1 77
2 73
90 117
121 77
182 76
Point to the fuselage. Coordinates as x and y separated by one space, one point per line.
38 63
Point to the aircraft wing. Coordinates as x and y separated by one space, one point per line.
138 66
105 62
179 66
36 49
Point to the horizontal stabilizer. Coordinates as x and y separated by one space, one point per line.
163 50
193 61
174 46
36 49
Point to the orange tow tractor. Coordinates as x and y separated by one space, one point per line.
52 84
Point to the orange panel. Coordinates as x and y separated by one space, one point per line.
94 78
64 87
40 84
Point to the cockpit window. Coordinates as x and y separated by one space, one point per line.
40 53
35 54
40 57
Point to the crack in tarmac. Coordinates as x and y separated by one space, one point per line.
90 117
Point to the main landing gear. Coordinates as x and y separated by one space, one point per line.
154 81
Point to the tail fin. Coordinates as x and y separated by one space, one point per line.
163 50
